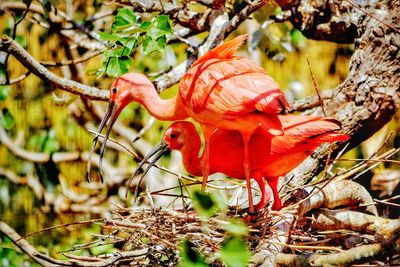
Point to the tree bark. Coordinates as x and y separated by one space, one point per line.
370 95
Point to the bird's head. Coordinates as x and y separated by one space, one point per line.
175 138
124 90
128 88
176 134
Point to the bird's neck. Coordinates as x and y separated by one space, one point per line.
190 156
163 109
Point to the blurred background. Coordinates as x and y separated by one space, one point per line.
35 194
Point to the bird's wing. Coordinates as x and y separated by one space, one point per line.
231 88
223 51
306 133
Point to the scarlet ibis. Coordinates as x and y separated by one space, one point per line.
220 90
270 156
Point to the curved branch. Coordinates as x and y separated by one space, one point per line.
12 47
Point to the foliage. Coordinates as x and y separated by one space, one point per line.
9 257
234 251
128 33
7 120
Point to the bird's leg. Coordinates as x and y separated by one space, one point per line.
206 165
208 133
273 183
247 168
265 195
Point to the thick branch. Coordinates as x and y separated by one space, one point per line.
22 244
304 201
355 221
344 258
370 95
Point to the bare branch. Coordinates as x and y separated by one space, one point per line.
10 46
23 244
355 221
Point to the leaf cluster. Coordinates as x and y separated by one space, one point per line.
128 33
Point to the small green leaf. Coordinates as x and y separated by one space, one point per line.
161 27
129 43
234 252
116 66
105 36
50 144
298 38
162 23
151 45
124 18
21 40
236 228
146 25
4 92
7 120
189 257
118 52
207 205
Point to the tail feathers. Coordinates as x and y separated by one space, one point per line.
330 137
226 50
269 123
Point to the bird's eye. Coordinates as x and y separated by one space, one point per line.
114 90
172 135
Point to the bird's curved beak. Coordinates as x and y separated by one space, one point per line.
158 151
111 115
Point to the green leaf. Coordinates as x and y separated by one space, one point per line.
4 92
298 38
236 228
129 43
234 252
51 144
162 23
116 66
151 45
208 205
117 52
146 25
189 257
108 36
124 18
7 120
161 27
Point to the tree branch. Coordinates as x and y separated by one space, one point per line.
370 95
344 258
12 47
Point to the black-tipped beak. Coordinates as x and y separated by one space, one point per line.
158 151
111 115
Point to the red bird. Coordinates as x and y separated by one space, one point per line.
270 156
220 90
